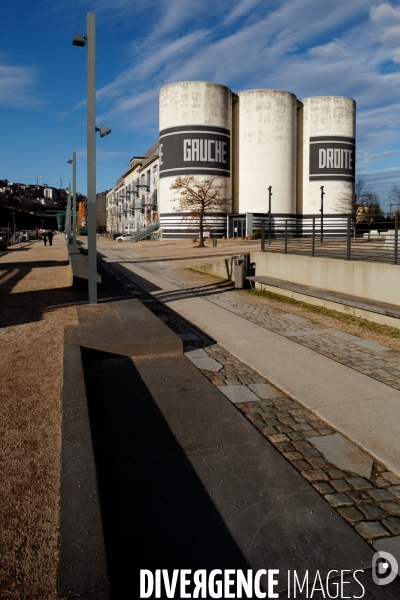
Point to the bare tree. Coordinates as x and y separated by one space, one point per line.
199 199
395 191
359 200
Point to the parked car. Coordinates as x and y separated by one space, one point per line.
29 234
125 237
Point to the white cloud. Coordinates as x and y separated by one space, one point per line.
385 13
240 10
391 35
16 85
329 51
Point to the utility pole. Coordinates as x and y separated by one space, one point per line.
390 207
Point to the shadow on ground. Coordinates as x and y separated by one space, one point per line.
155 510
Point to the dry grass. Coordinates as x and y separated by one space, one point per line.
36 304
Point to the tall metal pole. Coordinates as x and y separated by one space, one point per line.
322 213
74 201
91 153
68 216
269 213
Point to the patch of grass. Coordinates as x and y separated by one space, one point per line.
326 312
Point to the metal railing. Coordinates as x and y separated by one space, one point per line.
332 237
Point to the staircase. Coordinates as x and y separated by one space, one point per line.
144 233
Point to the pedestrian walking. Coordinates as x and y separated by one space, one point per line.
45 238
50 236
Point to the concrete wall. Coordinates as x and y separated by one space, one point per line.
372 281
220 268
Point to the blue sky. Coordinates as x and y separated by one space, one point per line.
308 47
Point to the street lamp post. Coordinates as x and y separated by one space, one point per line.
90 41
322 213
269 213
68 216
73 162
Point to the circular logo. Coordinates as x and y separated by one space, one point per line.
384 568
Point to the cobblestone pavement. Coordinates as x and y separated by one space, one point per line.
370 503
376 361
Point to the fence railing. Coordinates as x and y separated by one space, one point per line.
333 237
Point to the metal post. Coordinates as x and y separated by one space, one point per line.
285 237
313 238
396 237
348 257
322 213
269 213
91 153
263 236
74 201
68 216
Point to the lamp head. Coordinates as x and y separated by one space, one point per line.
104 130
70 161
79 40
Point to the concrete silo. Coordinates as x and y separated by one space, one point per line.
267 146
195 139
327 126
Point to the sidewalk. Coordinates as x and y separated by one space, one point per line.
36 305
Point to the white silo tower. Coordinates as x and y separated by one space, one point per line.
327 129
267 147
195 139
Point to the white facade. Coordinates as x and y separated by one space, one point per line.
132 204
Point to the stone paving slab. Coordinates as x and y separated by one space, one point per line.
343 454
373 424
238 393
208 364
372 346
304 332
292 317
264 390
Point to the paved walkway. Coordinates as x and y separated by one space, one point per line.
331 398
